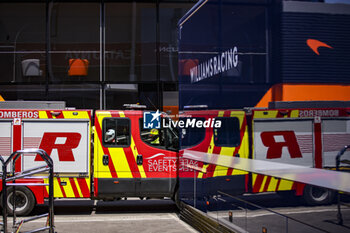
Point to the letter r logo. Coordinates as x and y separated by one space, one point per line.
275 145
64 143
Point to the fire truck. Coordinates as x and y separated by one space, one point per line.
99 155
308 137
109 154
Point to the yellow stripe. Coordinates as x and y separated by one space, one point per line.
243 151
120 162
78 187
268 114
294 114
285 185
219 170
200 174
210 151
76 114
221 113
119 159
135 152
263 184
272 185
43 115
68 187
101 171
56 188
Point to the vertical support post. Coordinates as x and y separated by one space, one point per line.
102 55
337 164
51 210
194 188
159 91
14 194
4 195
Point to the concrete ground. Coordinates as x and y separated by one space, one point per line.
118 216
302 218
133 215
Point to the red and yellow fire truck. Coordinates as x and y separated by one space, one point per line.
308 137
112 158
110 154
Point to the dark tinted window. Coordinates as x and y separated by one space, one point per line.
116 132
165 138
228 135
191 136
152 137
130 42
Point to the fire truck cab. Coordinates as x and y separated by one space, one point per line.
131 160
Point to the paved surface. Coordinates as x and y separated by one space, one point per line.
306 219
161 216
324 218
118 216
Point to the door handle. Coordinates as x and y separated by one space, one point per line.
139 160
105 160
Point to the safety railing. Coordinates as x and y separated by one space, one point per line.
241 222
338 161
9 180
2 165
247 216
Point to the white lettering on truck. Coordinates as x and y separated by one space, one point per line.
319 113
19 114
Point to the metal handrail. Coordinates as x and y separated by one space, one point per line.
13 157
4 223
337 164
272 211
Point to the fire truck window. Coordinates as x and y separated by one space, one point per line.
191 136
228 135
152 137
116 132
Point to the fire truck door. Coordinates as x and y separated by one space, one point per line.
114 161
230 139
157 159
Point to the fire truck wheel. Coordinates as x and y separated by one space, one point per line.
25 201
317 196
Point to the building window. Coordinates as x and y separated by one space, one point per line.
116 132
22 42
75 42
228 135
169 16
130 51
